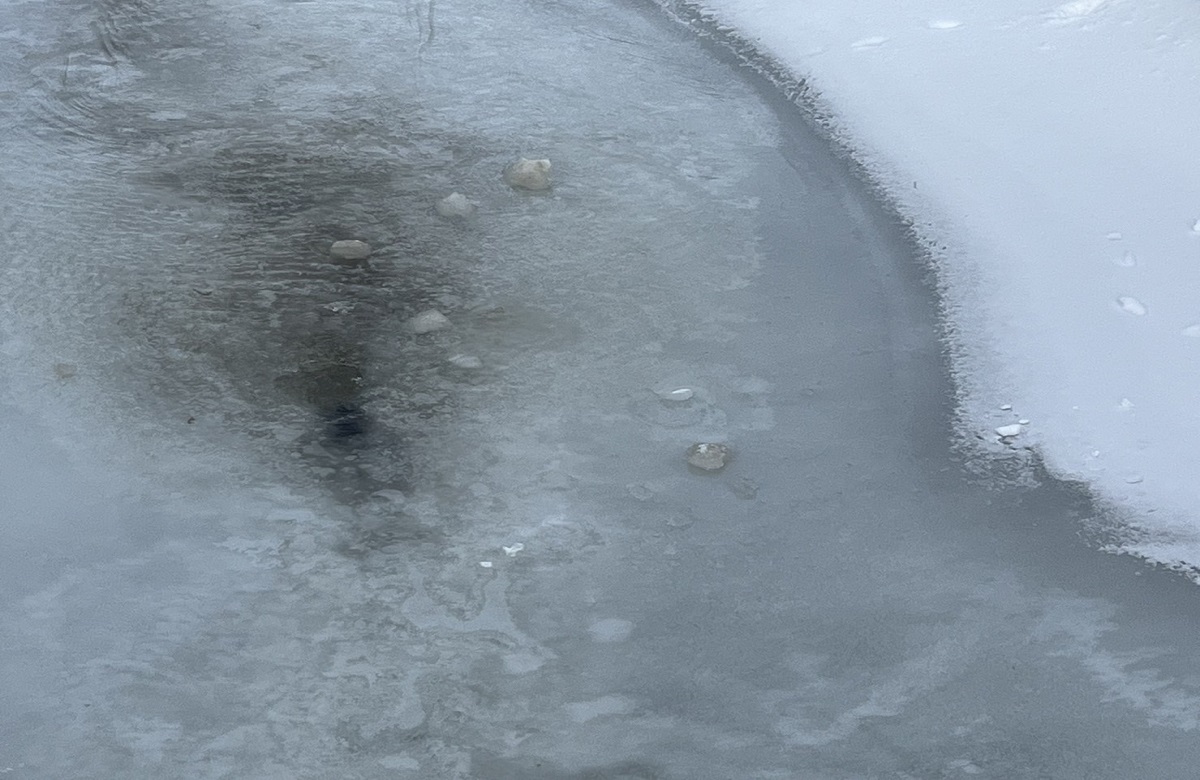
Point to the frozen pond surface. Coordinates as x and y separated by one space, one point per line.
256 525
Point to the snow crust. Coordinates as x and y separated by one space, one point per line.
1048 153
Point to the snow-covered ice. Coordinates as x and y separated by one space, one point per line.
1012 145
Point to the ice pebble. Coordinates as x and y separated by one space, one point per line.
428 322
1131 306
709 456
527 174
511 552
1009 431
350 250
455 205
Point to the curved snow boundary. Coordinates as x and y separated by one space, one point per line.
1045 155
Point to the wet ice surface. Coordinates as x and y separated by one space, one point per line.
258 525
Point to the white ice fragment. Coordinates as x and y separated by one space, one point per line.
873 42
1196 227
1006 407
486 564
1125 405
1079 8
1131 306
350 250
944 24
1009 431
1114 236
465 361
1193 331
1022 422
678 394
1127 260
455 205
709 456
428 321
1133 479
527 174
511 552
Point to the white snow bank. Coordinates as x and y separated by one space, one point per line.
1054 149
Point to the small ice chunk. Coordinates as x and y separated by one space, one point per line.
1192 331
1127 260
1006 407
1113 236
350 250
511 552
428 321
465 361
1009 431
710 456
1022 421
678 394
873 42
1133 479
1196 227
1131 306
1126 405
527 174
944 24
486 564
455 205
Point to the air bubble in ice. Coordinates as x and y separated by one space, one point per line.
428 322
455 205
527 174
709 456
610 630
352 249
